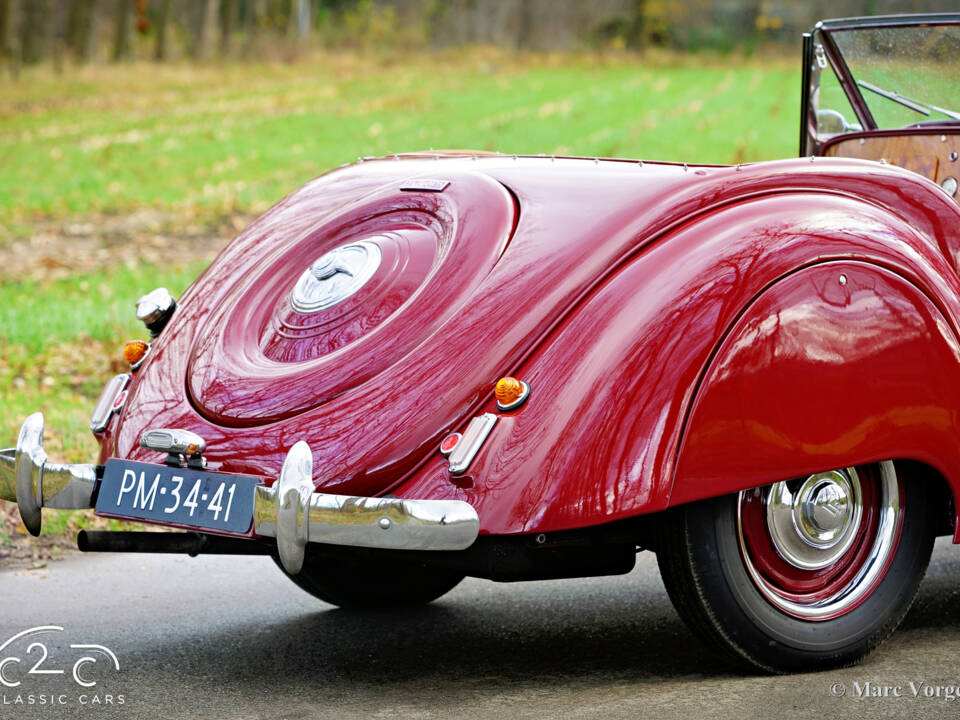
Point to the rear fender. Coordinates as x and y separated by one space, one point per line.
612 385
839 364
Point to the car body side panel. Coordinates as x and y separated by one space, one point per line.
612 387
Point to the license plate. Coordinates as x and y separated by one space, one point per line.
179 496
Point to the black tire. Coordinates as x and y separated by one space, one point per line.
710 573
373 585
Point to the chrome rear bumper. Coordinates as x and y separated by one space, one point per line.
289 510
27 479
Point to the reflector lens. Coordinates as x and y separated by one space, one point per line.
120 401
135 351
449 443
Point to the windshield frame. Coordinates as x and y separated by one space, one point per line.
822 35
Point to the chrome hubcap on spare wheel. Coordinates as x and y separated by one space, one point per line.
334 277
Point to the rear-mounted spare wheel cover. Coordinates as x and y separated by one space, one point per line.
335 303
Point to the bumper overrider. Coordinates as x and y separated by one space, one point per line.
289 510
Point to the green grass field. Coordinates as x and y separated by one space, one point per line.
197 144
210 139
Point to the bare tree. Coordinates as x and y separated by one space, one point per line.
123 30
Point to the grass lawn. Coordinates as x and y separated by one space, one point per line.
213 139
196 144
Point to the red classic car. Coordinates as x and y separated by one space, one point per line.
426 366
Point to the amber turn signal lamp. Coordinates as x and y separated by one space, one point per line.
135 351
511 393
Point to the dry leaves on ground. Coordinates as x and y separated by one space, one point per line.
58 249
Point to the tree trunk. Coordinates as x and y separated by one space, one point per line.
303 18
35 30
123 37
9 35
162 50
71 31
525 24
8 25
91 32
229 16
256 10
81 29
207 30
298 21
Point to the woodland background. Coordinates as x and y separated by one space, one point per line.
82 31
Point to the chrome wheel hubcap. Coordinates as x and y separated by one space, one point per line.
814 524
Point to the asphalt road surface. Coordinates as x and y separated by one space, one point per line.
231 637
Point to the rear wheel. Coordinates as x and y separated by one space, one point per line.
373 584
801 574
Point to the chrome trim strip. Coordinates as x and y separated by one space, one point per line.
471 442
28 479
425 185
104 409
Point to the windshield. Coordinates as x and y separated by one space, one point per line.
906 74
